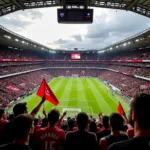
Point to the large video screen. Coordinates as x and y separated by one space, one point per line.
75 56
75 16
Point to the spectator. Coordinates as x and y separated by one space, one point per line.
2 121
20 108
130 132
11 117
7 134
36 124
71 124
116 124
23 129
44 123
93 127
138 117
81 139
106 128
50 137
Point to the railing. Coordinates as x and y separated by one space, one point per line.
34 60
96 68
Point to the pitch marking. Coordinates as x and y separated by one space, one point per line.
91 110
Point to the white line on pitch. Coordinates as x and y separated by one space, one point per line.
74 99
91 110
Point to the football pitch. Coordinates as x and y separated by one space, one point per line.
89 95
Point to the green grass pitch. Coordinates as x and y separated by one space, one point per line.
79 94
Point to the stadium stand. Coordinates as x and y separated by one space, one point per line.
127 84
25 63
123 71
13 88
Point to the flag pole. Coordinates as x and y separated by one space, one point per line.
44 93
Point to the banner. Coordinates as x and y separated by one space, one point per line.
144 86
13 88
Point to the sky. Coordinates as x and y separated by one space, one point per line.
109 26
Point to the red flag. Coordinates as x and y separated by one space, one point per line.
120 109
45 91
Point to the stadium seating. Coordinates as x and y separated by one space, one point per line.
127 55
13 88
128 85
136 85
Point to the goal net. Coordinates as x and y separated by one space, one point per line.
75 75
71 112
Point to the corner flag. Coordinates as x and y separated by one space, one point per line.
47 93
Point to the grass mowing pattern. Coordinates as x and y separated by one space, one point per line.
88 94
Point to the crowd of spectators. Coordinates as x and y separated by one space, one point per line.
72 72
12 88
124 55
145 72
19 68
141 71
6 53
127 84
22 130
136 55
23 84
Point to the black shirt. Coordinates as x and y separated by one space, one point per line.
80 140
136 143
12 146
7 133
68 130
102 134
113 139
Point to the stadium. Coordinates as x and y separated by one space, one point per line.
94 81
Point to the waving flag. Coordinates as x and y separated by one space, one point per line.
47 93
120 109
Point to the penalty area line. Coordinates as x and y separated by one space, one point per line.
91 110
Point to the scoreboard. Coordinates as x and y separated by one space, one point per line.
75 16
75 56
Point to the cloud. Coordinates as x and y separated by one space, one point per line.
18 21
61 42
113 27
66 43
109 27
77 37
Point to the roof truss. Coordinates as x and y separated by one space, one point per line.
138 6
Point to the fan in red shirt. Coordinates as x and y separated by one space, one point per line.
51 137
2 121
130 132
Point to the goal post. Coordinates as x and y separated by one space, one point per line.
75 75
72 112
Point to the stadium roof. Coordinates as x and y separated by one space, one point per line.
138 41
138 6
11 39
